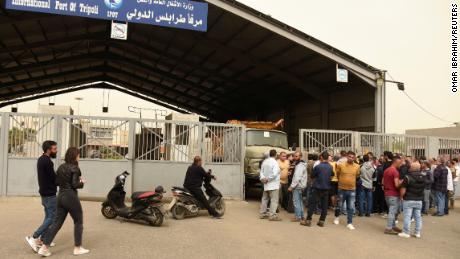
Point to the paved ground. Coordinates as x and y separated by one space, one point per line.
239 235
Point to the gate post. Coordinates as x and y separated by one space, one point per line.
58 138
132 150
4 153
242 160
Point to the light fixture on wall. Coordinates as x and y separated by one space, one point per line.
105 106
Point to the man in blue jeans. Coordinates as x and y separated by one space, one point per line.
412 194
47 189
440 187
347 173
367 173
299 183
391 184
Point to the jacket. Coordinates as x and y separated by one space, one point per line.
299 180
415 185
367 175
68 177
270 170
429 180
322 175
440 178
194 177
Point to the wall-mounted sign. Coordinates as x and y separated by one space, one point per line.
342 75
182 14
119 30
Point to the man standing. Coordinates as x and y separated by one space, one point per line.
391 185
284 164
347 174
412 188
440 187
299 183
270 177
321 177
47 189
426 172
367 180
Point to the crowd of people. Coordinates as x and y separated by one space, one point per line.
389 185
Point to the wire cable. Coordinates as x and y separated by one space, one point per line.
421 107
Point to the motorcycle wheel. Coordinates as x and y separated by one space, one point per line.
220 207
108 212
178 212
159 217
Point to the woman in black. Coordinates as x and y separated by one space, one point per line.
68 178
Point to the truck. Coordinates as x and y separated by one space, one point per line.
261 137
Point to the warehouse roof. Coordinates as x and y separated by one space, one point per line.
246 60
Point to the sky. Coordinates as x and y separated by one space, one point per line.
410 39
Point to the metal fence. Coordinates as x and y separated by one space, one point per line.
317 141
107 138
449 147
153 151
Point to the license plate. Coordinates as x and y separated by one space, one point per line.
174 200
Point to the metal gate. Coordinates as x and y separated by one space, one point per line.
155 152
317 141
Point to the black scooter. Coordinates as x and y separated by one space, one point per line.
146 206
185 204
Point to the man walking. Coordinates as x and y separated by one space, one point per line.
347 173
440 187
47 189
299 183
270 177
391 185
321 177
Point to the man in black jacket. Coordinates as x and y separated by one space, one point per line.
47 189
194 180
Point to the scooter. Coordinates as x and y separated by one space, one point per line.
146 206
184 204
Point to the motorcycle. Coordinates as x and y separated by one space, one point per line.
146 206
184 204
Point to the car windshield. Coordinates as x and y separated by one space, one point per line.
266 138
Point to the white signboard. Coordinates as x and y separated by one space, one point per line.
342 75
266 134
119 31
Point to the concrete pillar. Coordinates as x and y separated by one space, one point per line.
380 103
4 153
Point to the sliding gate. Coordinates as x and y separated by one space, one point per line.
155 152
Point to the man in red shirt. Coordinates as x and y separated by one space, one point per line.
391 185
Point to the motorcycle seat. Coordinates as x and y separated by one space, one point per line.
141 195
181 188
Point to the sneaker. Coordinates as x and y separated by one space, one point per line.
417 235
350 227
390 232
44 252
296 220
402 234
274 218
32 243
320 223
263 216
396 229
80 251
306 223
385 216
368 215
336 221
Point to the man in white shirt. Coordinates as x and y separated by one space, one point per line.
270 177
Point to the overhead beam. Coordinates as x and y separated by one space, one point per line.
294 36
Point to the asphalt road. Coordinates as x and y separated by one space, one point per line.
239 235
